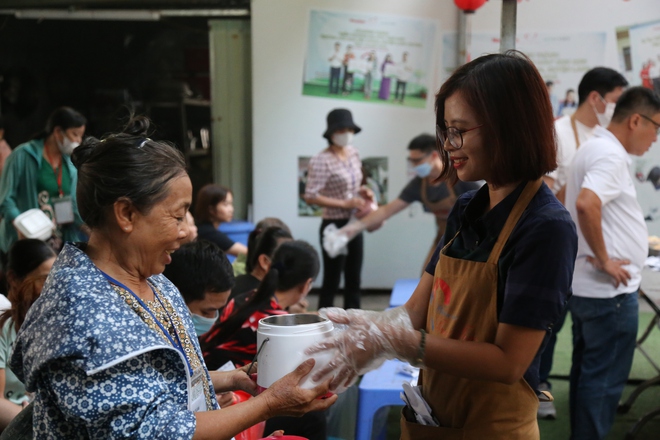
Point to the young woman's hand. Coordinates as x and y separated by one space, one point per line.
364 340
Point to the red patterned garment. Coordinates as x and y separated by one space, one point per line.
233 337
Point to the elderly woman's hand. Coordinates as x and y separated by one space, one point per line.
234 380
286 398
363 341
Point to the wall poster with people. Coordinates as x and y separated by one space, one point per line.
638 49
369 57
375 177
561 58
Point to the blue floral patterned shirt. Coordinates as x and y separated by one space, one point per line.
97 370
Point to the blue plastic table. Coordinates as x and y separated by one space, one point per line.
377 389
237 231
402 291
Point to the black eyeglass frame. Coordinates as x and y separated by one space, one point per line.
441 135
657 126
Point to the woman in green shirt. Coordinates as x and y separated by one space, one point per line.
39 174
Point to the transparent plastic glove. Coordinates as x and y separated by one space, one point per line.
363 341
334 243
352 229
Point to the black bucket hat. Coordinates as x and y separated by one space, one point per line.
340 118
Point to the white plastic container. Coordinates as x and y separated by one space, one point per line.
288 337
34 223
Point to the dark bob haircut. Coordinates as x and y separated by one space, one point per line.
511 100
200 267
208 196
127 166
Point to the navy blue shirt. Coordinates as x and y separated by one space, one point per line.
206 231
535 269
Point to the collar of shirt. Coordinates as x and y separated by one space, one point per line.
601 132
482 225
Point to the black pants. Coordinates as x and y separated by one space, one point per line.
350 265
334 79
400 85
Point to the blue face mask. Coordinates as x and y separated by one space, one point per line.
423 170
203 324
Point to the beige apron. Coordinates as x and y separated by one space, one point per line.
463 306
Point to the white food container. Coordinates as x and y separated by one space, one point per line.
287 338
34 223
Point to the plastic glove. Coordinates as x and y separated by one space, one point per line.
352 229
363 341
334 243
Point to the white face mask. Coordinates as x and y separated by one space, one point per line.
342 139
67 145
605 118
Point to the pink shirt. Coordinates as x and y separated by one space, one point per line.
332 177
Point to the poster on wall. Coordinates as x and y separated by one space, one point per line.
365 57
560 58
375 177
639 54
639 57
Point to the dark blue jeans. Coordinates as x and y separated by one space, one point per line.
604 335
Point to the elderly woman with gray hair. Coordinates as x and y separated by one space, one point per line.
109 350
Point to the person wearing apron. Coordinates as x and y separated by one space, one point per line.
498 279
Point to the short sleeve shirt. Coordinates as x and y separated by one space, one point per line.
412 192
535 268
206 231
332 177
602 166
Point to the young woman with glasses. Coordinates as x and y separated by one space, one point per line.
498 279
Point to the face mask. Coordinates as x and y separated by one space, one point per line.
203 324
423 170
342 139
67 145
605 118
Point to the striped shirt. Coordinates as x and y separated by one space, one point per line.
332 177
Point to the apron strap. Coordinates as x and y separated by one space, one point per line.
521 204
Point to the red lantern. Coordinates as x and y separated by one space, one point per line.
469 5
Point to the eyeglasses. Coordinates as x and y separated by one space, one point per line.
453 134
657 126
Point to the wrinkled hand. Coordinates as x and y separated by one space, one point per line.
363 341
286 398
225 399
241 381
613 267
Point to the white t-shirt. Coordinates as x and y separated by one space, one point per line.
566 148
602 165
335 59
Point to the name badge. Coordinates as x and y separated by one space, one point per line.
63 208
197 395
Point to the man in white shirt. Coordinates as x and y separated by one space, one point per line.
404 72
336 61
598 92
612 248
